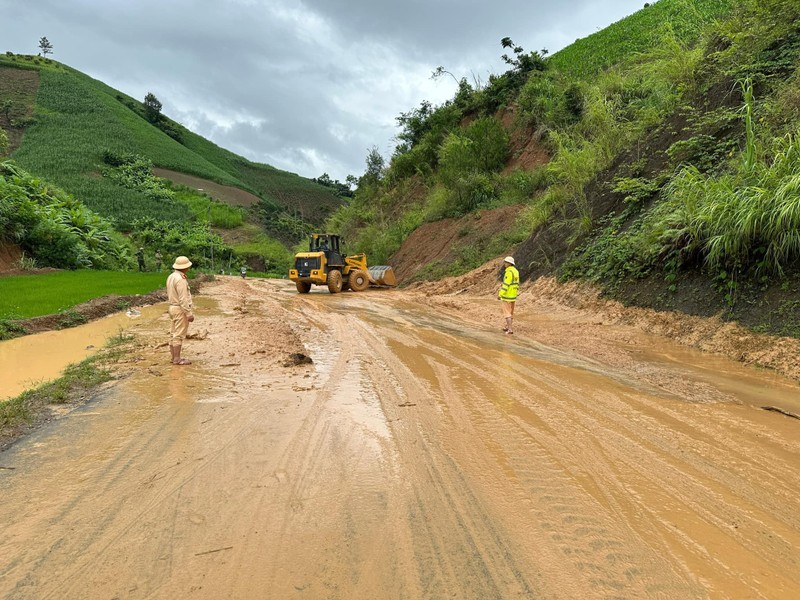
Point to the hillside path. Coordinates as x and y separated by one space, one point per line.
421 455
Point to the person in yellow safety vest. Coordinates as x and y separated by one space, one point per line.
508 292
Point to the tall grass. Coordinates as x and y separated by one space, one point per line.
637 33
750 217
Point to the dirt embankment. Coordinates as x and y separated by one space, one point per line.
9 257
88 311
583 303
443 242
96 308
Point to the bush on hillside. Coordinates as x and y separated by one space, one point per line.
194 240
53 227
482 147
135 173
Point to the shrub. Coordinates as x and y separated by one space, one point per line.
480 148
53 227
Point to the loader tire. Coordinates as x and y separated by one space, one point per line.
335 282
359 280
303 286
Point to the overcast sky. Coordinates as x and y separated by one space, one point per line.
306 86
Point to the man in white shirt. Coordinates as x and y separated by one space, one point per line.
180 308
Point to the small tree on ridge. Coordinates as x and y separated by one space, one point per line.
152 108
45 47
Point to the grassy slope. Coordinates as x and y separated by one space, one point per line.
581 63
637 33
77 118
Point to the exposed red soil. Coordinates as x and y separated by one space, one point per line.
441 241
9 257
526 149
224 193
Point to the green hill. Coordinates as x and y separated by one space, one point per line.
657 158
83 136
638 33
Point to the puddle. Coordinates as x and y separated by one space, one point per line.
35 359
750 386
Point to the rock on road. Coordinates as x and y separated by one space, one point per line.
422 455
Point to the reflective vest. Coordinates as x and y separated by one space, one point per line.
510 288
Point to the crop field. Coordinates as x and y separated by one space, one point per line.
18 89
312 202
24 296
638 33
77 118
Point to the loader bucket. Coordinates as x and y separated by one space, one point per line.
382 275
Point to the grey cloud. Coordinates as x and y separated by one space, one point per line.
305 85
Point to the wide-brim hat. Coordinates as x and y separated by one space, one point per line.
182 263
509 260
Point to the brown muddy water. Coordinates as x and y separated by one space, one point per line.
29 361
422 455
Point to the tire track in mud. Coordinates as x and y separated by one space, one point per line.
707 502
453 545
420 457
570 520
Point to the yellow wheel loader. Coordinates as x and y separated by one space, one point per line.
324 264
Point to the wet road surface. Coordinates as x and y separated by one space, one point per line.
422 455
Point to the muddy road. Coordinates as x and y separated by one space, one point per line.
422 455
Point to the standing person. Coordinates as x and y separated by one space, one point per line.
508 292
159 260
140 258
243 271
180 308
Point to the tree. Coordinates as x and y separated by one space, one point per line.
325 180
152 108
523 63
375 167
45 47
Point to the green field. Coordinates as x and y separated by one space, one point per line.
638 33
76 118
24 296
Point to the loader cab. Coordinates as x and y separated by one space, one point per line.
327 243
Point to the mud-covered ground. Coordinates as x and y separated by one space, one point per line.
422 454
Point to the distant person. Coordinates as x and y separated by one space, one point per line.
180 308
159 260
508 292
243 271
140 259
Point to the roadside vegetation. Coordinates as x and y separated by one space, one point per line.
53 228
672 139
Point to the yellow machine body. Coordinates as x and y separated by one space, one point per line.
324 264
